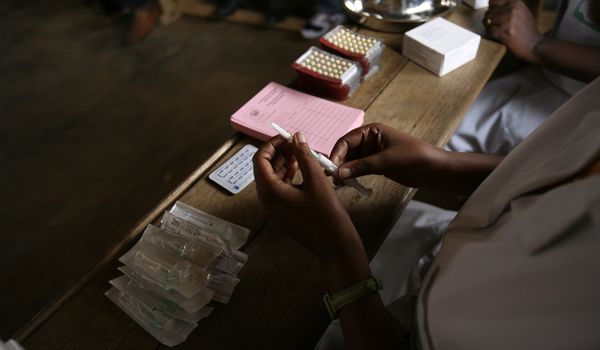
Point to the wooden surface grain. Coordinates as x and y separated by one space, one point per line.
95 132
277 303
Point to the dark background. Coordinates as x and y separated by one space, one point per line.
94 132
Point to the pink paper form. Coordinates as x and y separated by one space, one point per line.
322 121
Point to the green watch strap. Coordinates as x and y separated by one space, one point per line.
336 302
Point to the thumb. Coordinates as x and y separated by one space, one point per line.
360 167
310 168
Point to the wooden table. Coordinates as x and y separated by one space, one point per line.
277 304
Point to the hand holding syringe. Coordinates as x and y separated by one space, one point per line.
327 164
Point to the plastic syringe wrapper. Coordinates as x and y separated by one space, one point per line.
229 261
364 49
199 253
214 256
191 305
167 270
223 285
166 329
139 292
324 74
235 235
174 274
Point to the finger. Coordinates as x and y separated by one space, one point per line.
496 33
285 167
500 11
291 165
278 161
502 19
291 172
264 173
346 144
486 21
360 167
281 173
496 15
497 25
312 172
284 163
338 182
363 140
341 149
279 165
269 149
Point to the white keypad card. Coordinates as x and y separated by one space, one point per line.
237 172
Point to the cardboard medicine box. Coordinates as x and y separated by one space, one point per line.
440 46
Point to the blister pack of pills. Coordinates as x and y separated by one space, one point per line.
328 75
173 275
358 47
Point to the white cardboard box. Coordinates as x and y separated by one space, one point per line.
440 46
477 4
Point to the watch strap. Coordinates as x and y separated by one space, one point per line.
334 303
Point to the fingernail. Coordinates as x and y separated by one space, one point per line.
345 173
301 137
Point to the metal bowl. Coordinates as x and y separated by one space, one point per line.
397 15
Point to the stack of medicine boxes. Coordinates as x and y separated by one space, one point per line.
336 71
173 273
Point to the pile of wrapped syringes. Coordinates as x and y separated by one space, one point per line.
174 272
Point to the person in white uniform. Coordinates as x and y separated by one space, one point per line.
518 267
511 107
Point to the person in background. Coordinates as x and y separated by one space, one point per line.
275 10
560 64
518 267
328 14
226 8
145 14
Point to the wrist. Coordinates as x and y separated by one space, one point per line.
436 166
348 296
537 50
461 172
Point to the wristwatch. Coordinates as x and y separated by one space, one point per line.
334 303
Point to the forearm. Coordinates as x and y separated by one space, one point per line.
364 322
460 173
581 62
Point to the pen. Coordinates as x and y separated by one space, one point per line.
326 163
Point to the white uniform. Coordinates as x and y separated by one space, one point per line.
510 108
518 267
